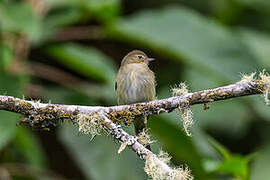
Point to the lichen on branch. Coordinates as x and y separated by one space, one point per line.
94 119
184 108
265 81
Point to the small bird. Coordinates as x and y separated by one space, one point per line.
135 83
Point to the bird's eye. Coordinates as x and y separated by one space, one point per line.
140 57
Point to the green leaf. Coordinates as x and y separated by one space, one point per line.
211 165
83 94
196 80
85 60
20 18
236 165
260 167
29 146
104 10
12 86
217 117
8 127
258 104
222 117
177 143
261 5
60 95
98 159
219 148
233 164
258 43
7 55
62 18
182 34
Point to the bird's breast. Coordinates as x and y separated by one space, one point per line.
135 85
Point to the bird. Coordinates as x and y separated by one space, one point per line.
135 83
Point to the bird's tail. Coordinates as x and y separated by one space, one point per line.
140 125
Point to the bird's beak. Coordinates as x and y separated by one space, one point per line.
149 59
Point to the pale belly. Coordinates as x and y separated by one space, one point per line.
136 87
137 91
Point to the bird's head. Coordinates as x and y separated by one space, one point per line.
136 56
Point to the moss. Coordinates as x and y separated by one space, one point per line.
180 90
139 108
127 116
195 97
217 96
90 123
247 77
144 138
19 106
43 118
224 95
25 106
154 167
261 85
122 116
211 95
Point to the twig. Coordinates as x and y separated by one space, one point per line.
153 107
118 133
43 115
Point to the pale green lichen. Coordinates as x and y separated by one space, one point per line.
154 167
264 83
186 113
180 90
265 78
187 118
247 77
180 173
164 157
122 147
144 138
90 124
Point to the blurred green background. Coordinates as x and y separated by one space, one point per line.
68 51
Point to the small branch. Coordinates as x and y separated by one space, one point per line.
247 88
41 115
118 133
116 113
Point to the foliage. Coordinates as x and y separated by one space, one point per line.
68 51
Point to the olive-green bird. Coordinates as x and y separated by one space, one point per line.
135 82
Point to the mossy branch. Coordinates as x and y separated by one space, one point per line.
37 113
91 119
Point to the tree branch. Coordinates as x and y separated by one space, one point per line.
41 115
118 133
119 113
